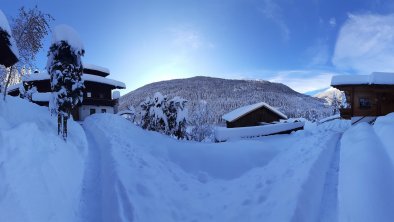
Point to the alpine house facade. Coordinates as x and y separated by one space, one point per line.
98 96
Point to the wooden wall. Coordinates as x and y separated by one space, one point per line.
379 97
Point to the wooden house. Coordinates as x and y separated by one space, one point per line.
8 55
253 115
97 96
367 95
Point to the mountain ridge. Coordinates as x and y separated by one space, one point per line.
220 96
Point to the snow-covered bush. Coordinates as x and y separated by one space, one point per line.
65 68
165 116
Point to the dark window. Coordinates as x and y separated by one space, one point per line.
365 103
103 110
101 96
92 111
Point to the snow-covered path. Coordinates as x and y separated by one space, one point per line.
91 195
136 176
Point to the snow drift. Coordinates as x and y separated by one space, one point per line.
40 174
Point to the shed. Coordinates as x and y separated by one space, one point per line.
253 115
367 95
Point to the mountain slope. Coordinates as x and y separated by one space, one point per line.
223 95
329 95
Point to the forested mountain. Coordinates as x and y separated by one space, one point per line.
214 97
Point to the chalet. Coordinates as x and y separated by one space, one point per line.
253 115
368 96
97 97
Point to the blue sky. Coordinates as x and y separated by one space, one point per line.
299 43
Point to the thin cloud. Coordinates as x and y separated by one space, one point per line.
189 38
365 44
271 10
304 80
332 22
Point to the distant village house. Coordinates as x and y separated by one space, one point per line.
253 115
368 96
97 98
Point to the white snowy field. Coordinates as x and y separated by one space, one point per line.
111 170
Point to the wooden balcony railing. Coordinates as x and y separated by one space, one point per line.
99 102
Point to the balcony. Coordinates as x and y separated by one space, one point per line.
99 102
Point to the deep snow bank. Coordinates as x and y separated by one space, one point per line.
366 176
40 174
155 178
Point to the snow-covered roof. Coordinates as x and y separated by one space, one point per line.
95 67
376 78
41 97
242 111
36 77
223 133
67 34
86 77
99 79
14 87
6 27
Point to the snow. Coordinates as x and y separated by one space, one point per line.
86 77
99 79
115 95
69 35
6 27
366 175
96 67
278 178
379 78
40 174
41 97
36 77
112 170
223 133
14 87
237 113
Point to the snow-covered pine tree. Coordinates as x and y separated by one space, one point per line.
177 117
335 104
132 115
146 120
157 113
65 69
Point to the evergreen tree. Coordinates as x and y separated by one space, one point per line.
65 69
146 120
177 117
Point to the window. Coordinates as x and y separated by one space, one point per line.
101 96
365 103
103 110
92 111
89 94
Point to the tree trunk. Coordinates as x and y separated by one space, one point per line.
64 128
8 82
59 123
